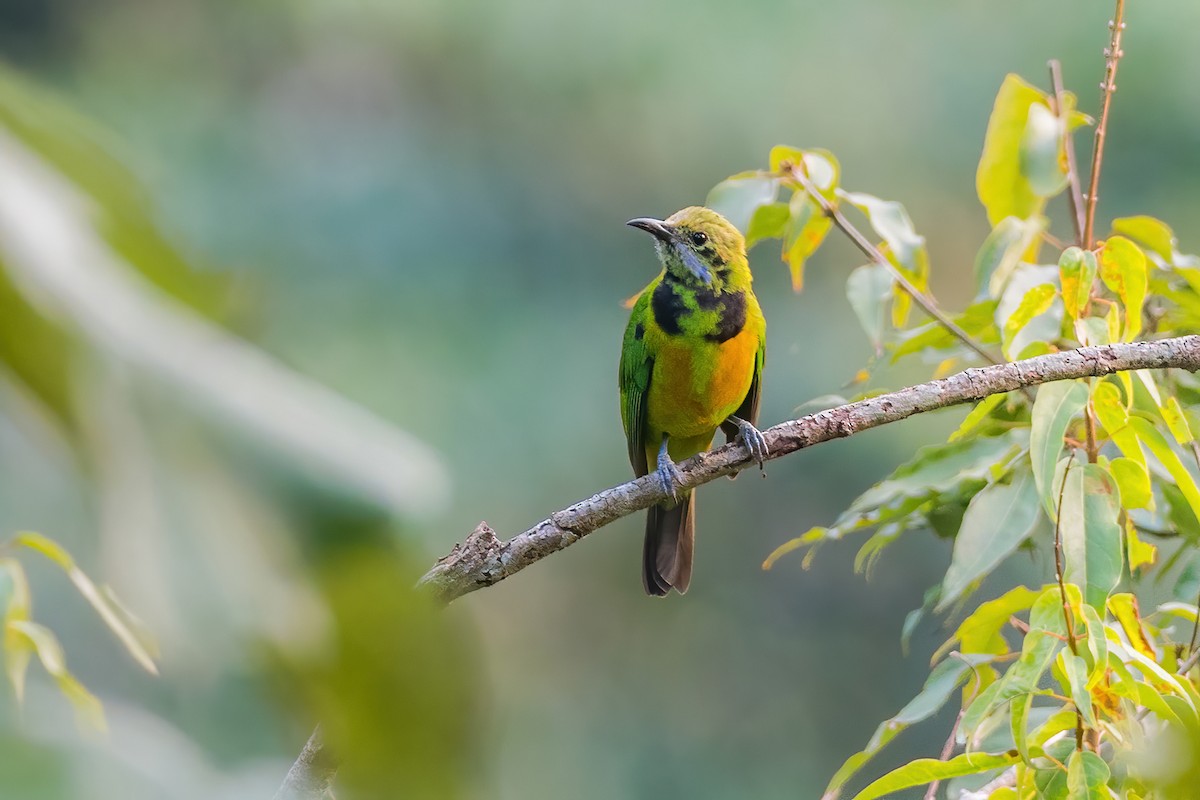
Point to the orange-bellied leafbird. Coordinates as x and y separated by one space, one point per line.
691 362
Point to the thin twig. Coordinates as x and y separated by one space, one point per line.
1075 193
1093 449
1186 666
872 252
1112 56
483 559
1062 588
947 749
1195 635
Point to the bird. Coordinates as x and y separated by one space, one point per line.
691 362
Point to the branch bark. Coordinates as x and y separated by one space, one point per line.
483 559
311 776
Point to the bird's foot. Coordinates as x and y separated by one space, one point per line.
668 473
753 439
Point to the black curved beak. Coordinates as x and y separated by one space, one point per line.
655 227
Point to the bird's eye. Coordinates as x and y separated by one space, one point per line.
699 238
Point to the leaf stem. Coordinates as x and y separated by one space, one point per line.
1112 56
1075 194
927 303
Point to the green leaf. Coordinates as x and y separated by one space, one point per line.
768 222
924 771
739 197
1087 777
1097 639
1075 670
1003 189
50 653
997 521
889 219
1018 717
1134 482
1077 272
868 289
1035 302
130 631
1037 651
808 538
1123 270
1124 606
1054 407
978 321
1091 538
942 681
1042 157
1002 250
1152 234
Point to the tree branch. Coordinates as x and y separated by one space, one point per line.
927 303
1112 57
311 777
1075 193
483 559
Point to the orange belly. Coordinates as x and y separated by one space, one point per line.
696 385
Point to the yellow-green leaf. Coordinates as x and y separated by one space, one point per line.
977 415
1124 607
1036 301
1140 553
1114 419
1150 436
1003 190
1087 777
1177 423
17 649
50 653
806 229
124 626
924 771
1077 269
1134 482
768 222
1152 234
1123 270
1002 251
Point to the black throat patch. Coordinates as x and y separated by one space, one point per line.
669 310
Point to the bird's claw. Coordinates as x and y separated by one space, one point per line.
668 474
754 441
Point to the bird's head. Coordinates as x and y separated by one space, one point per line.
699 246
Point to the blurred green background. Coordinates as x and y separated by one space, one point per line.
420 205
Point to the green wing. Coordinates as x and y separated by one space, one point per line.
634 380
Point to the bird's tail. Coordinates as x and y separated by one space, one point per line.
667 552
